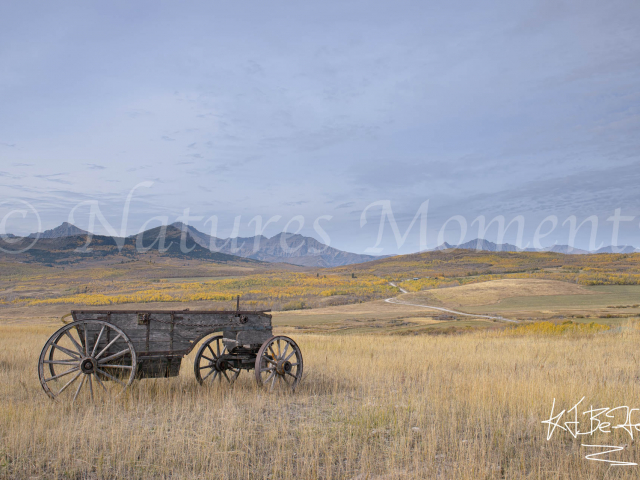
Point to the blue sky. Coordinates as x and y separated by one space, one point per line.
319 109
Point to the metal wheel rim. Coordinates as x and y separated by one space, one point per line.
86 350
268 367
205 364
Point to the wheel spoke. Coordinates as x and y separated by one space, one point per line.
208 374
269 377
292 375
290 355
235 377
110 376
273 381
69 383
79 387
127 367
62 374
61 362
270 360
273 353
100 382
218 346
206 366
67 351
268 369
86 347
226 376
210 359
90 385
212 352
73 340
102 352
114 356
95 347
286 347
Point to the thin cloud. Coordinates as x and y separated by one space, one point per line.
53 177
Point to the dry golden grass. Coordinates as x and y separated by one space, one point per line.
370 407
488 293
378 309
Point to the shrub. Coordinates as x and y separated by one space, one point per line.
293 306
548 328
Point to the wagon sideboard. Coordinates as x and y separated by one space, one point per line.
177 332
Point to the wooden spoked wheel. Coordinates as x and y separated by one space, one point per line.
212 363
87 359
279 361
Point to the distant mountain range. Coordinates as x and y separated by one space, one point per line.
284 247
287 248
62 244
487 246
71 249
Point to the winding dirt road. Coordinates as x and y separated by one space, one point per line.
400 302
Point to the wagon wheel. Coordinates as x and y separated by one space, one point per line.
211 362
279 360
87 358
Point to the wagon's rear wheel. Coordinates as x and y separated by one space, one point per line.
87 359
212 363
279 361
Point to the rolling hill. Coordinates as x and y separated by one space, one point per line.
69 249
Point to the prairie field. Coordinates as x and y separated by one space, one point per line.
390 390
369 407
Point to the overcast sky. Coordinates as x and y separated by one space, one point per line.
319 109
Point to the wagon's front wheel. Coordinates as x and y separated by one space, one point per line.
279 361
87 359
212 363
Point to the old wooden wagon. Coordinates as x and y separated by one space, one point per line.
101 352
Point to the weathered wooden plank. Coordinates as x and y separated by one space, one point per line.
179 330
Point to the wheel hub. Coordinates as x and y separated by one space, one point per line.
222 364
87 365
284 367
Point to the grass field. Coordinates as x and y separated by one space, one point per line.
370 407
383 396
520 299
262 286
